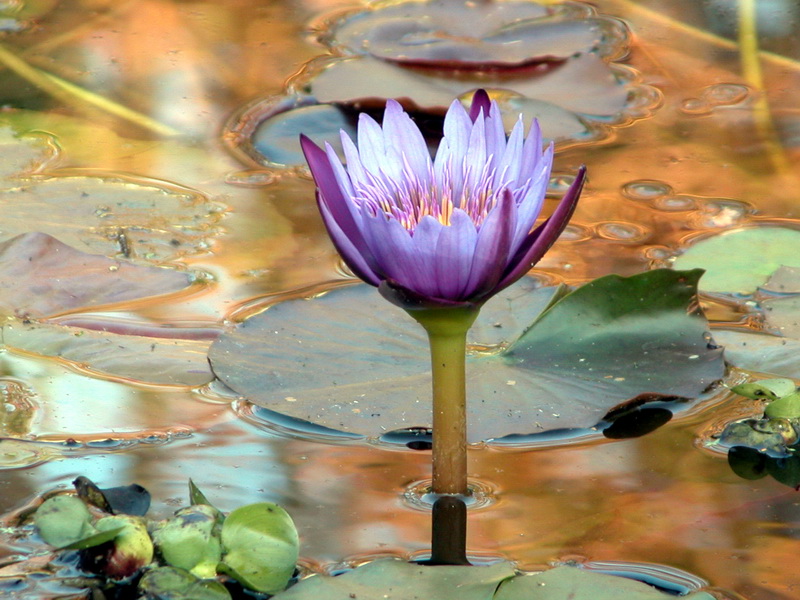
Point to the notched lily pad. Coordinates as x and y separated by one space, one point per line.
320 360
41 276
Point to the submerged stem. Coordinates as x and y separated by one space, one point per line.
447 334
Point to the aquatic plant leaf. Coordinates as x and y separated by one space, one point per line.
196 496
190 540
787 407
121 216
169 583
739 261
68 404
321 361
160 361
785 280
93 540
261 547
41 276
130 499
765 389
24 154
450 34
761 352
376 579
63 520
580 584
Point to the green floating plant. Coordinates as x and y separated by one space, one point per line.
184 556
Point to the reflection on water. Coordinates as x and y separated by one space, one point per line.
700 164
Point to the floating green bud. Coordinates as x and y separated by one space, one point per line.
63 520
766 389
191 540
261 547
132 548
787 407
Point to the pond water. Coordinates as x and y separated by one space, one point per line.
138 115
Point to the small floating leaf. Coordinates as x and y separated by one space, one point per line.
130 499
63 520
94 540
169 583
765 389
261 546
787 407
191 540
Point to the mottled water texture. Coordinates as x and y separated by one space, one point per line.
682 147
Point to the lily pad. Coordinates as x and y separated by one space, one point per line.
41 276
110 215
739 261
149 360
321 360
397 579
375 580
24 154
454 34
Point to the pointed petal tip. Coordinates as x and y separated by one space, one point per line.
480 102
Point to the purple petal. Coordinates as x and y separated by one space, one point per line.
354 259
371 148
492 248
330 192
396 255
543 237
454 252
403 136
495 134
480 102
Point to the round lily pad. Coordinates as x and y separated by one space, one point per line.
350 361
739 261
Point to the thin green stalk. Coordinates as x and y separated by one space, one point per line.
447 334
751 70
71 94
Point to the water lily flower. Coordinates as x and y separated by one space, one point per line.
444 232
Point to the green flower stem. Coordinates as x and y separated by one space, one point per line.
447 334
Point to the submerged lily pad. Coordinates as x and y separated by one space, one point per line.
41 276
115 216
150 360
454 34
321 360
739 261
397 579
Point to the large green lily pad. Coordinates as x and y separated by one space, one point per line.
741 260
350 361
400 580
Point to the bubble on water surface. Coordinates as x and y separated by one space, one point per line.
676 203
619 231
646 189
720 94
